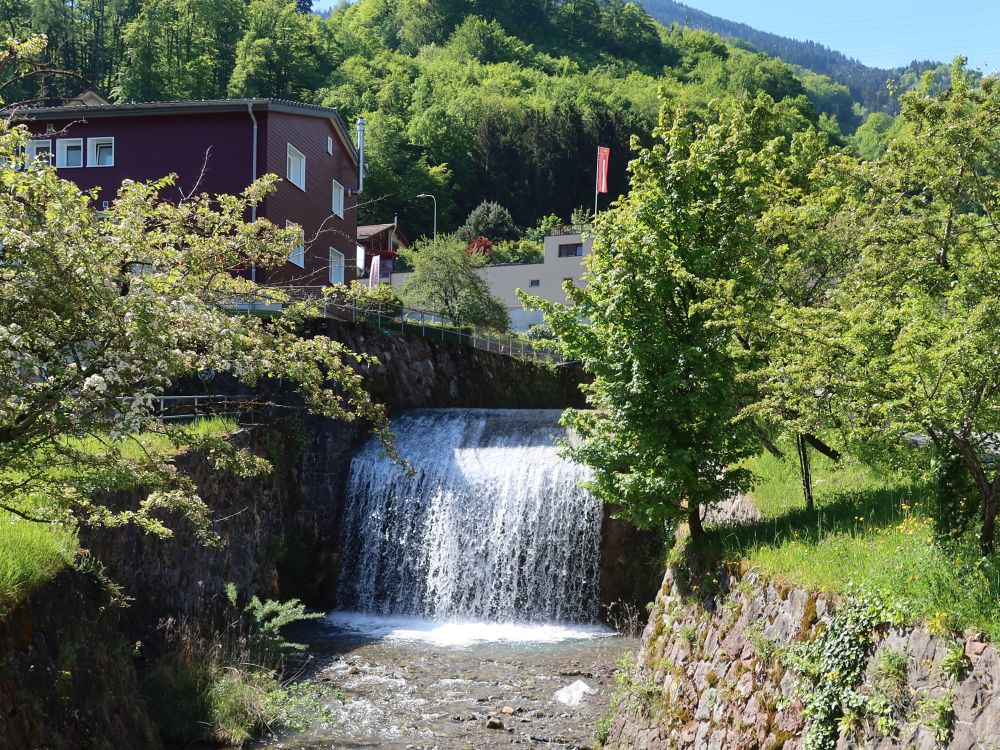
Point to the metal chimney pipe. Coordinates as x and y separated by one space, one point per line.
361 154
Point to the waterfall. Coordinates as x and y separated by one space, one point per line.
491 524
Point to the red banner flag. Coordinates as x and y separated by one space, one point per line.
603 156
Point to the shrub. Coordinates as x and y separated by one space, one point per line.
379 298
227 686
517 251
239 705
489 220
541 332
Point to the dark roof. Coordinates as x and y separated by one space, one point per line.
198 106
367 230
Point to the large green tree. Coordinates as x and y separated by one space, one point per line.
283 53
665 432
905 343
445 281
180 49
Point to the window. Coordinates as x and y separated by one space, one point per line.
338 199
41 149
329 145
69 153
535 282
100 152
298 254
571 250
336 267
296 168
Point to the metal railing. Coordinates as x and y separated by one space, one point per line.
564 229
388 317
177 408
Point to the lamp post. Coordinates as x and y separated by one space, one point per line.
428 195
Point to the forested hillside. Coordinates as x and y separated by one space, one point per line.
867 85
469 100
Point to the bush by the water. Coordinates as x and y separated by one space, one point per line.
232 686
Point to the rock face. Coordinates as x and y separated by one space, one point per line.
707 677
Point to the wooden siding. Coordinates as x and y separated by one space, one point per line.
312 208
212 152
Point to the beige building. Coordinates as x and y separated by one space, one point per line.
563 252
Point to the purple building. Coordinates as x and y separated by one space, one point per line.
221 147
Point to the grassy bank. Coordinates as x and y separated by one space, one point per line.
31 553
872 528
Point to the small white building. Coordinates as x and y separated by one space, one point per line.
563 251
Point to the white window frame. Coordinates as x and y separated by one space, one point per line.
298 255
93 143
33 146
329 145
295 171
337 266
62 146
338 189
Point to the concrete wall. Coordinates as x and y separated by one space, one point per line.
550 274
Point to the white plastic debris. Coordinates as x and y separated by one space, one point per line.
571 695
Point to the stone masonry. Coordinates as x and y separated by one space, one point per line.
704 679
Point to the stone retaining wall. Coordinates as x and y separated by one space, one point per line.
67 680
705 679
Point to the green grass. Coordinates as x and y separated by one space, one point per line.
31 553
135 447
872 528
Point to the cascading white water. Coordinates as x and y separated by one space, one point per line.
492 524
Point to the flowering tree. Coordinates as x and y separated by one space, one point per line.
99 312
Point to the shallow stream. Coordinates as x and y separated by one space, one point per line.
416 685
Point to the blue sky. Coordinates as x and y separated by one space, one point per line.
884 33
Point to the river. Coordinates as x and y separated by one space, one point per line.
416 685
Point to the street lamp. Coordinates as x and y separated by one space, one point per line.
428 195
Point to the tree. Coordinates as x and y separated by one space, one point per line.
283 53
489 220
445 281
905 344
180 49
100 312
665 434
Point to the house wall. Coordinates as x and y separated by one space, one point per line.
550 274
312 209
211 152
